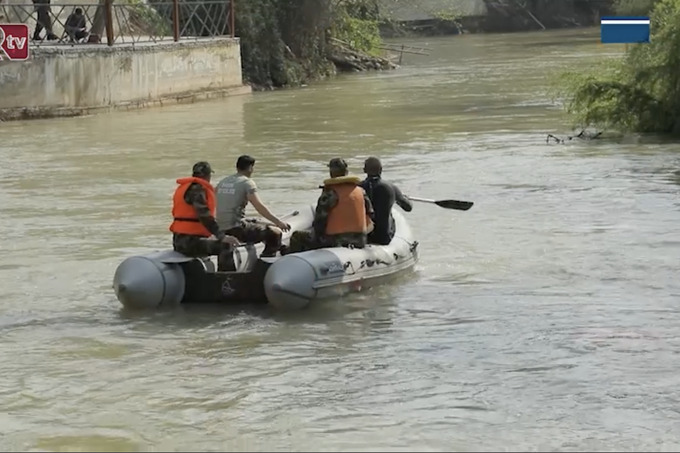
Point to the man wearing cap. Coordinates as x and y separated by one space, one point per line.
234 192
193 213
343 214
383 194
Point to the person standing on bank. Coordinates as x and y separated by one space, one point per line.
234 192
193 213
383 194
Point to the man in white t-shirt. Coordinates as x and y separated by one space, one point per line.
233 195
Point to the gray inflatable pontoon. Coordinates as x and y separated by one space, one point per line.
291 282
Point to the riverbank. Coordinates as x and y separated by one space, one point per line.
279 45
491 16
479 24
340 58
288 44
276 53
637 92
271 52
79 80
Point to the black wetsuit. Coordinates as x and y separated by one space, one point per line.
383 195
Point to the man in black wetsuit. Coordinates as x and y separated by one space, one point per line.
383 195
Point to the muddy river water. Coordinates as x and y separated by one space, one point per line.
546 317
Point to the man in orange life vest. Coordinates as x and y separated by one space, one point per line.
343 216
193 212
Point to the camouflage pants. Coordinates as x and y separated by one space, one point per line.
351 240
252 231
197 246
301 241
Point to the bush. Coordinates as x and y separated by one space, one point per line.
283 42
145 19
360 34
639 93
634 7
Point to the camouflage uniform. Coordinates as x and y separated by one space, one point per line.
199 246
306 240
253 231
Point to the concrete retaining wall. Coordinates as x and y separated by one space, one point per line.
67 81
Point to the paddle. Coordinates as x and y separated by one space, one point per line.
446 204
287 216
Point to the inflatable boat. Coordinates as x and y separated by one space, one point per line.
293 281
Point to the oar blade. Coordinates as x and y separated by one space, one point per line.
454 204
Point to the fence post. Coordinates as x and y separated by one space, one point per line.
108 4
232 21
175 20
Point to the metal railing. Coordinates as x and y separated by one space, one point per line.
123 21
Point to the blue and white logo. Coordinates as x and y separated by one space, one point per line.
624 30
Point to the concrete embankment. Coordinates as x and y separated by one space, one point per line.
72 81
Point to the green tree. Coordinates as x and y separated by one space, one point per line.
634 7
641 91
356 23
284 42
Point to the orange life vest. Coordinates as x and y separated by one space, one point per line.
349 214
185 220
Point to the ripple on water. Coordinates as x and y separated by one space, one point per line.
544 318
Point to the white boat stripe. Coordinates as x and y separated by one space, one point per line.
624 22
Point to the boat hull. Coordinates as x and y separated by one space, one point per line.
291 282
294 281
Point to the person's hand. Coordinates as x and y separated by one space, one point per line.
231 240
283 225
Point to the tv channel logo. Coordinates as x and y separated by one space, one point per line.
624 30
14 42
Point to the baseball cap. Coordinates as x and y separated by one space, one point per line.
337 163
202 169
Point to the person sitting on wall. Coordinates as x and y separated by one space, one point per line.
343 216
76 26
